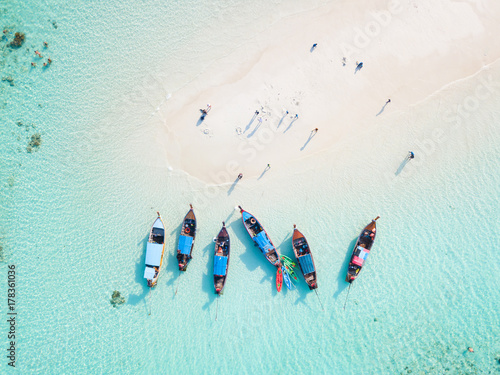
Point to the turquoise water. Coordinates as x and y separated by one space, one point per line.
76 214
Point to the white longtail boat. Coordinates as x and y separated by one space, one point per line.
154 251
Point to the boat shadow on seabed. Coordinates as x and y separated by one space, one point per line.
342 284
208 277
253 258
135 299
170 257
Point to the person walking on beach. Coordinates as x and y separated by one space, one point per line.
388 101
240 176
296 116
411 155
358 67
256 113
268 167
204 112
314 46
315 130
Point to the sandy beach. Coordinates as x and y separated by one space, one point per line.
409 51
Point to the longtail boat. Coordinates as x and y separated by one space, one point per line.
221 259
304 257
260 237
186 239
361 250
154 251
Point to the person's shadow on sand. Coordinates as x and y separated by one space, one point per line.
232 186
250 123
289 126
382 110
264 172
402 165
313 133
281 120
256 128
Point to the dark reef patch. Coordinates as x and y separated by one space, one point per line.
35 143
117 299
18 40
8 79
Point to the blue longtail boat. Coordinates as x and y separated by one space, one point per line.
304 257
260 237
221 259
186 240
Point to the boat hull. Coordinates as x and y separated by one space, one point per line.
155 249
186 240
361 250
260 237
305 259
221 259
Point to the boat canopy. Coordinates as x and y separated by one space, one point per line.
220 265
263 242
185 243
153 254
361 256
149 273
306 264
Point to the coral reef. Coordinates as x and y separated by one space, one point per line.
117 299
8 79
18 40
34 144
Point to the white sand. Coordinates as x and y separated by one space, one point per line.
410 49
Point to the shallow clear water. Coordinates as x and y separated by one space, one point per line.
76 214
